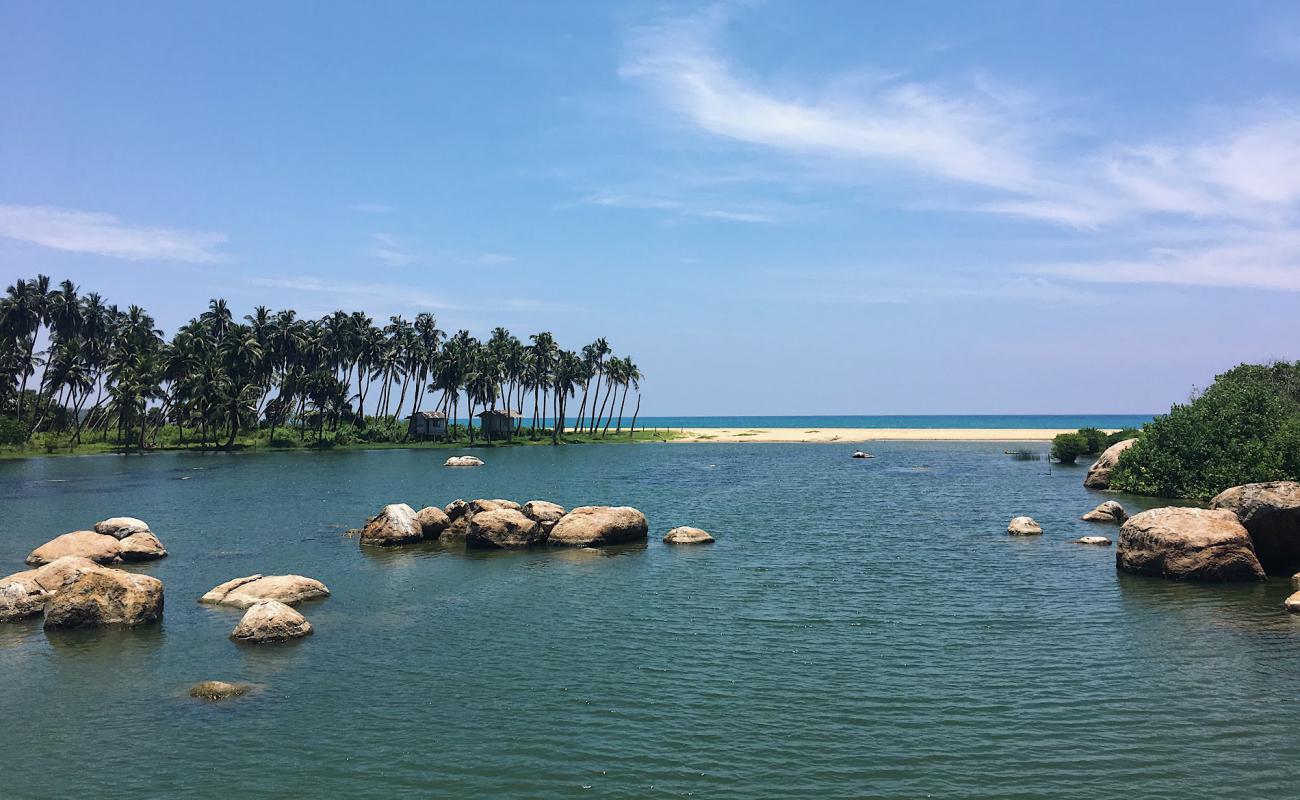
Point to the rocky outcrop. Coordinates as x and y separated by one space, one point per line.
1188 543
395 524
218 690
142 546
595 526
433 521
97 547
287 589
1024 526
1270 512
543 513
455 509
24 594
464 461
103 596
503 529
1108 512
687 535
270 621
1098 476
121 527
1101 541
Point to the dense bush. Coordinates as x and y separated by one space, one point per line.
1243 429
1067 447
1095 438
1121 435
13 432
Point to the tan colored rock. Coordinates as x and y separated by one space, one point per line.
595 526
687 535
481 505
455 509
1024 526
1102 541
503 529
544 513
1295 581
1292 603
1188 543
103 596
464 461
394 525
143 546
121 527
456 531
218 690
24 594
1098 476
244 592
1107 512
433 521
1270 513
270 621
97 547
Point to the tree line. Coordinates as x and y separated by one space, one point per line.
105 370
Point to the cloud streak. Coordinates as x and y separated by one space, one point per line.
105 235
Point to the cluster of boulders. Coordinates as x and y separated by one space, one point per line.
268 600
111 542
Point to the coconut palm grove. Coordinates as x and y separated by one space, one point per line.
75 368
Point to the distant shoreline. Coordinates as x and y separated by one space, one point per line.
858 435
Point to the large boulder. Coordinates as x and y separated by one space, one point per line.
24 594
464 461
461 513
1188 543
687 535
103 596
270 621
543 513
503 529
1270 512
455 509
244 592
594 526
97 547
1098 476
142 546
1108 512
433 521
1024 526
395 524
121 527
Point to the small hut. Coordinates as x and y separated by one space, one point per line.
427 425
497 423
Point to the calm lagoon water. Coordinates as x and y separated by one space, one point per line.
861 629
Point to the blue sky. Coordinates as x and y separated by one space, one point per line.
775 207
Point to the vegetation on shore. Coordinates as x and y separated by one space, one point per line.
1245 428
1067 447
108 379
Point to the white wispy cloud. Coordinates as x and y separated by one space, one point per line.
689 209
370 208
386 248
104 234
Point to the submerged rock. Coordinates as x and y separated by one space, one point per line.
543 513
1107 512
594 526
1103 541
395 524
24 594
244 592
464 461
103 596
1024 526
121 527
1188 543
1098 476
1270 512
218 690
270 621
504 529
687 535
97 547
142 546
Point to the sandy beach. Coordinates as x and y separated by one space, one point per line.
828 435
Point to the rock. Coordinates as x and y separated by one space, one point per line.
1107 512
97 547
1024 526
270 621
1270 513
1098 476
121 527
504 529
218 690
1103 541
455 509
103 596
287 589
687 535
464 461
456 531
510 504
1191 543
395 525
142 546
433 521
594 526
24 594
1295 581
543 513
1292 603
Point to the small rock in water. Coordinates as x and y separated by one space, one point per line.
1024 526
1292 603
270 621
687 535
1295 581
218 690
1107 512
464 461
1098 540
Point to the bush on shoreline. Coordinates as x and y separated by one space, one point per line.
1067 447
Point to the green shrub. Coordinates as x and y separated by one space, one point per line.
1095 439
1122 435
13 432
1067 447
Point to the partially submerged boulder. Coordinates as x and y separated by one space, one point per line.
1292 603
455 509
1188 543
544 513
1102 541
98 547
103 596
1098 476
464 461
504 529
24 594
594 526
433 521
142 546
1024 526
218 690
687 535
1270 512
121 527
244 592
1108 512
395 524
270 621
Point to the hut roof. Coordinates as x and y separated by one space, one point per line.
496 412
428 415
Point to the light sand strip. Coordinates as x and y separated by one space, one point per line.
849 435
